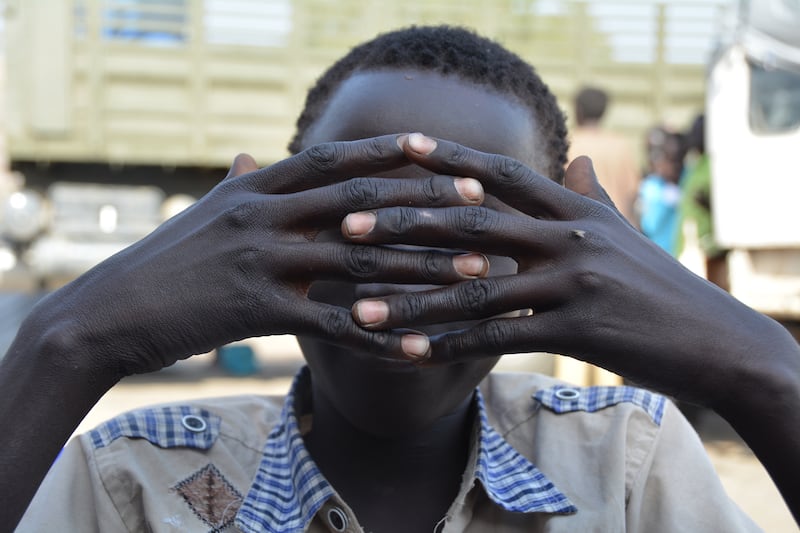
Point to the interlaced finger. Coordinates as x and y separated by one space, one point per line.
336 325
506 178
359 263
469 300
465 227
329 204
499 336
327 163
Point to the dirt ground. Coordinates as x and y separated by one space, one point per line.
742 475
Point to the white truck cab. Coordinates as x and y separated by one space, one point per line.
753 141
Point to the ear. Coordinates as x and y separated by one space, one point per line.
580 178
242 164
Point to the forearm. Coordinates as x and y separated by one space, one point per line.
45 396
766 414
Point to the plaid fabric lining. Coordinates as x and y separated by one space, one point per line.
162 426
510 480
289 489
591 399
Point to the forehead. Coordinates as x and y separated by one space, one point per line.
381 102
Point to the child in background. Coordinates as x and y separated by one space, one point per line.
659 192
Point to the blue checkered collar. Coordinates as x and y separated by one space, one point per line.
289 489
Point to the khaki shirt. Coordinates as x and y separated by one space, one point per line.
602 459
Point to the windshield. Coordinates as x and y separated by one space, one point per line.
774 99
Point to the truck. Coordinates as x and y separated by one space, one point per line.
121 112
752 135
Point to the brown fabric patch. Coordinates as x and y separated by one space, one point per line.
211 498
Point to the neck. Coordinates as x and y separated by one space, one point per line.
374 473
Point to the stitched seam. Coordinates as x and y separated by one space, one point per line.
102 480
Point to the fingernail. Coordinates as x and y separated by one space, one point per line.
356 224
471 265
415 346
401 139
371 312
470 189
421 144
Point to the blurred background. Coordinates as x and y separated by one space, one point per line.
117 114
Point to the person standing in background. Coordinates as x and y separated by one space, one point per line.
611 153
695 207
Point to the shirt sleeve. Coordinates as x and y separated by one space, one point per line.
677 488
71 497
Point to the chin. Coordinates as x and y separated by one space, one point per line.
390 399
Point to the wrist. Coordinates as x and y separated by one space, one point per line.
47 390
767 382
59 349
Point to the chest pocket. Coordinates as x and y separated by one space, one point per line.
166 427
566 399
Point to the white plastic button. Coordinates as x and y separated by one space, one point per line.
194 423
568 394
337 519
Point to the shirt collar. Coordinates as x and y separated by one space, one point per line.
511 480
289 489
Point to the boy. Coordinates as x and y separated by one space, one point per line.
386 431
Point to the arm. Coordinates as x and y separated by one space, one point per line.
237 264
601 292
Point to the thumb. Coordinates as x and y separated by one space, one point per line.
580 178
242 164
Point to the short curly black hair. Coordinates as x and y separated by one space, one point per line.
453 51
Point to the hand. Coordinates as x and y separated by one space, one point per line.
598 289
239 262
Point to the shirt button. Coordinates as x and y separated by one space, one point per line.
337 519
568 394
194 423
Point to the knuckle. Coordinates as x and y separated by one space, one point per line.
435 189
361 193
457 157
376 149
494 335
401 221
242 215
381 339
587 281
473 295
247 259
507 170
603 211
473 220
333 322
430 190
411 306
322 157
362 261
433 267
